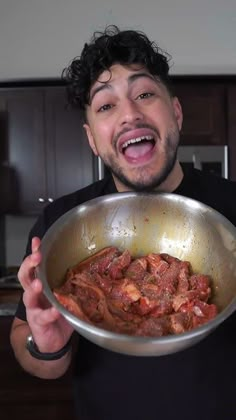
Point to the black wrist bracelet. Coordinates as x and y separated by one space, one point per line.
34 351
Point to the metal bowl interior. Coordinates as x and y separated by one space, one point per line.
144 223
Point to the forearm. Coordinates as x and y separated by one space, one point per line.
40 368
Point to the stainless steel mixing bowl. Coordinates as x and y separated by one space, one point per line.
144 223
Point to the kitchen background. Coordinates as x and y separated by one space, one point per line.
43 149
38 39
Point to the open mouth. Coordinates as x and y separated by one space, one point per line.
138 147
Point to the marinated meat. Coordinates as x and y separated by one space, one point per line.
153 295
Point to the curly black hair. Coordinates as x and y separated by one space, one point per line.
107 48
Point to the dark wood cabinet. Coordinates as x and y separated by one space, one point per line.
47 147
204 110
46 153
26 148
28 397
209 108
70 161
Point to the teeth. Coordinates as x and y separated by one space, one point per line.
136 140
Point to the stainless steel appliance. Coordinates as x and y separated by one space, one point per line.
207 158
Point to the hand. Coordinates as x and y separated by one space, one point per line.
49 328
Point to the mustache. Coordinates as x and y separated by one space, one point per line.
134 127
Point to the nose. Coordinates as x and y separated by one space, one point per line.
130 112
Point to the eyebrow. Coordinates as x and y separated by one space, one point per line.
131 79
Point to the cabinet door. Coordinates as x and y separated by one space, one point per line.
26 152
204 112
70 161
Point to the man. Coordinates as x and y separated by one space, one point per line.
132 121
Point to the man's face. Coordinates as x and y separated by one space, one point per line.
133 125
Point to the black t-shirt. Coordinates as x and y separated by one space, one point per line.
197 383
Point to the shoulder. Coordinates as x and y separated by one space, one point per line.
213 179
218 193
213 186
210 189
65 203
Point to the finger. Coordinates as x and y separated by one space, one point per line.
36 254
37 306
48 316
26 271
33 296
35 244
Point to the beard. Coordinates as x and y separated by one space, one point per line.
143 180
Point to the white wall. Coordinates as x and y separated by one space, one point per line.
39 37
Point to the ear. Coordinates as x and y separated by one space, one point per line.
90 139
178 111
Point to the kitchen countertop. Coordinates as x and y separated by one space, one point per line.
10 292
8 309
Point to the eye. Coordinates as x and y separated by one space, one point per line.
145 95
105 107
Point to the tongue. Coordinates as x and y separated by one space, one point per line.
138 150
